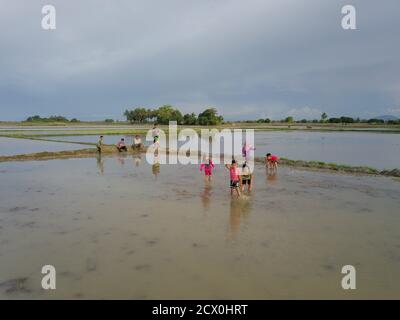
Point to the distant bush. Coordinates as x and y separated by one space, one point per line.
37 118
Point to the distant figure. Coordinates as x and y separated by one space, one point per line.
99 144
208 167
137 143
271 161
247 177
156 133
234 173
246 149
121 145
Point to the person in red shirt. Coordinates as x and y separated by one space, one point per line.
208 167
271 161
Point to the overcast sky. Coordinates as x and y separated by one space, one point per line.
249 58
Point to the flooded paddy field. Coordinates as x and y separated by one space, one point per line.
11 146
375 150
118 227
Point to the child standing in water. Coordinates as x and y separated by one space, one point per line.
247 177
156 133
99 144
246 150
271 161
208 167
234 173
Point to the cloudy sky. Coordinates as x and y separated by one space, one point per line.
250 59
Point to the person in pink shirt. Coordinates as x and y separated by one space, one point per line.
271 161
234 174
246 149
121 145
208 167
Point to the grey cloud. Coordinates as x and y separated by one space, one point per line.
250 59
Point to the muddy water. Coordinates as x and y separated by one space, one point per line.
376 150
120 228
11 146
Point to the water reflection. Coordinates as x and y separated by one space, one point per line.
121 159
155 168
137 159
100 163
272 176
206 195
239 211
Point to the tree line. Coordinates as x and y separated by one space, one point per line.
325 119
167 113
37 118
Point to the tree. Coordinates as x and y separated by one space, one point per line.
334 120
34 118
324 116
167 113
109 120
267 120
346 120
58 119
209 117
137 115
288 120
190 119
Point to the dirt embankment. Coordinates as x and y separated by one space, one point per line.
81 153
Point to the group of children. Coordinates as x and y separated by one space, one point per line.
121 145
239 177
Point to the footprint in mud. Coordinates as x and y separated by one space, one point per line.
265 244
144 216
18 285
392 256
34 209
91 265
69 275
29 224
17 209
365 210
142 267
328 267
198 245
152 242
